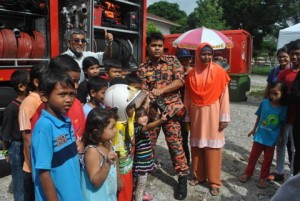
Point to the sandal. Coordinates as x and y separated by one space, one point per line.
244 178
214 191
262 184
276 177
195 182
147 197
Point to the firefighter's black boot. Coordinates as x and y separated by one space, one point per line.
181 191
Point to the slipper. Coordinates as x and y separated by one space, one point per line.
244 178
147 197
214 191
276 177
262 184
195 182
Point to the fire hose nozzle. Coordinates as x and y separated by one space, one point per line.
17 32
83 9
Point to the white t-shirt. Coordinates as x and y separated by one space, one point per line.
97 55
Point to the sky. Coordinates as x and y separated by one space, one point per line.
185 5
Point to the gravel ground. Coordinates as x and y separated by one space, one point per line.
161 182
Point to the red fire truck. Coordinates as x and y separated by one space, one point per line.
32 31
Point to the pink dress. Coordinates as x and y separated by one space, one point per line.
205 121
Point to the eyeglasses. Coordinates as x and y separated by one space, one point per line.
78 40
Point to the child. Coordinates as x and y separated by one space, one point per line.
10 133
99 172
125 99
96 87
133 80
55 163
113 68
143 156
66 63
27 109
91 68
185 58
271 116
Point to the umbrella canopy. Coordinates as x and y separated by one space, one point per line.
191 39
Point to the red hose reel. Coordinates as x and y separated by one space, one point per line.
22 45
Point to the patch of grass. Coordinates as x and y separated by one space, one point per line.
256 93
261 70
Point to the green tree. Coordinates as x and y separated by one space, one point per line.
169 11
259 17
209 14
151 28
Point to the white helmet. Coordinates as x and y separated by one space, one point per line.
121 96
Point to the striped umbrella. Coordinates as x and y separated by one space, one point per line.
191 39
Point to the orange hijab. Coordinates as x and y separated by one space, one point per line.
205 82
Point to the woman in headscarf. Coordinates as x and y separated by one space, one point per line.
207 102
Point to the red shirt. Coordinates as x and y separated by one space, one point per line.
288 76
75 113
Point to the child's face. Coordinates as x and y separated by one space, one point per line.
136 85
112 73
125 72
60 100
143 120
75 78
93 71
275 94
185 61
109 131
295 57
99 95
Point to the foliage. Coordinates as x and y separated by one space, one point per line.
257 16
256 93
151 28
261 70
269 46
261 18
209 14
169 11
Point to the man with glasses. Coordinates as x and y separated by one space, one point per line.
77 44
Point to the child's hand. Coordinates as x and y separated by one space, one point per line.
111 156
251 133
120 184
80 146
164 116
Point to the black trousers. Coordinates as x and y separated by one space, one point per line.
296 133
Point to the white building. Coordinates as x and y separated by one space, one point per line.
162 24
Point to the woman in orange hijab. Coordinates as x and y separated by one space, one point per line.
207 102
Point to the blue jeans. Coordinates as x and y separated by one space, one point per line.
15 153
281 149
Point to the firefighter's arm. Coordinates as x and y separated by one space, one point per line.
174 85
108 45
